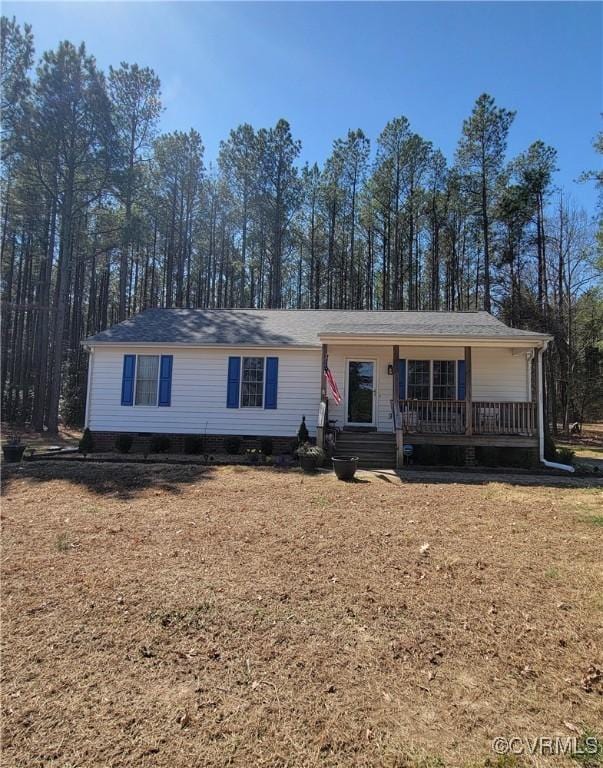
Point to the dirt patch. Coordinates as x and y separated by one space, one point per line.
174 616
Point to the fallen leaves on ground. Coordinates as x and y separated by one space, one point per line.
174 616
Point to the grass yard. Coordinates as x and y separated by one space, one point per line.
186 617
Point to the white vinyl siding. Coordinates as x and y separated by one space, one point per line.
498 374
199 381
198 401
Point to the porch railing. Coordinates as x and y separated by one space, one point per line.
494 418
449 417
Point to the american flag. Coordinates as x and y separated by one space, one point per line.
332 384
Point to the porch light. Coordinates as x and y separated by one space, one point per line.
390 370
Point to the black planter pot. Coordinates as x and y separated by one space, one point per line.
307 463
13 453
345 467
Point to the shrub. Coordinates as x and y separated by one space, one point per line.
123 442
302 433
565 456
193 444
311 455
266 446
427 455
550 452
159 444
232 445
86 444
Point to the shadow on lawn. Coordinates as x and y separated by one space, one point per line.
124 481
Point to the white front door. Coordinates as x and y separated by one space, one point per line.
361 393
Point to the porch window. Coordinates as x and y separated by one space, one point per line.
252 382
147 378
418 380
431 380
444 380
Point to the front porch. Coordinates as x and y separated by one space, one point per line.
430 393
479 423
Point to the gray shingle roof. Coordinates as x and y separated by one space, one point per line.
302 328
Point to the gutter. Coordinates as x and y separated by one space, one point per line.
549 464
88 345
440 339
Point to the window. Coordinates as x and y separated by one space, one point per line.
252 382
418 380
444 380
147 377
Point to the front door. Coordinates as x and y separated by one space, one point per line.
360 393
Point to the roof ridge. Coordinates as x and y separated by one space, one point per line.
319 309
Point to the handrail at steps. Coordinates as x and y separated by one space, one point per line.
397 417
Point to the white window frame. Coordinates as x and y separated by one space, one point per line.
256 407
431 362
414 360
455 384
143 405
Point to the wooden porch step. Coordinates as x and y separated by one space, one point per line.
366 437
373 449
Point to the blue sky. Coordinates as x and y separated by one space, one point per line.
327 67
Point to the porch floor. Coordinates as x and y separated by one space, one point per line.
499 441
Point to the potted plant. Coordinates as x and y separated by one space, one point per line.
13 450
254 455
345 467
310 457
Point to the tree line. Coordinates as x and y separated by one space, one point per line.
104 216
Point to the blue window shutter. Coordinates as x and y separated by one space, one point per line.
165 380
232 387
127 380
460 379
271 382
402 378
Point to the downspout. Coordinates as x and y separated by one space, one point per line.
89 386
549 464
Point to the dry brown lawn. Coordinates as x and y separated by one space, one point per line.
185 617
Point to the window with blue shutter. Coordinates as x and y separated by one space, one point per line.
233 382
127 380
460 379
402 378
165 380
271 382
